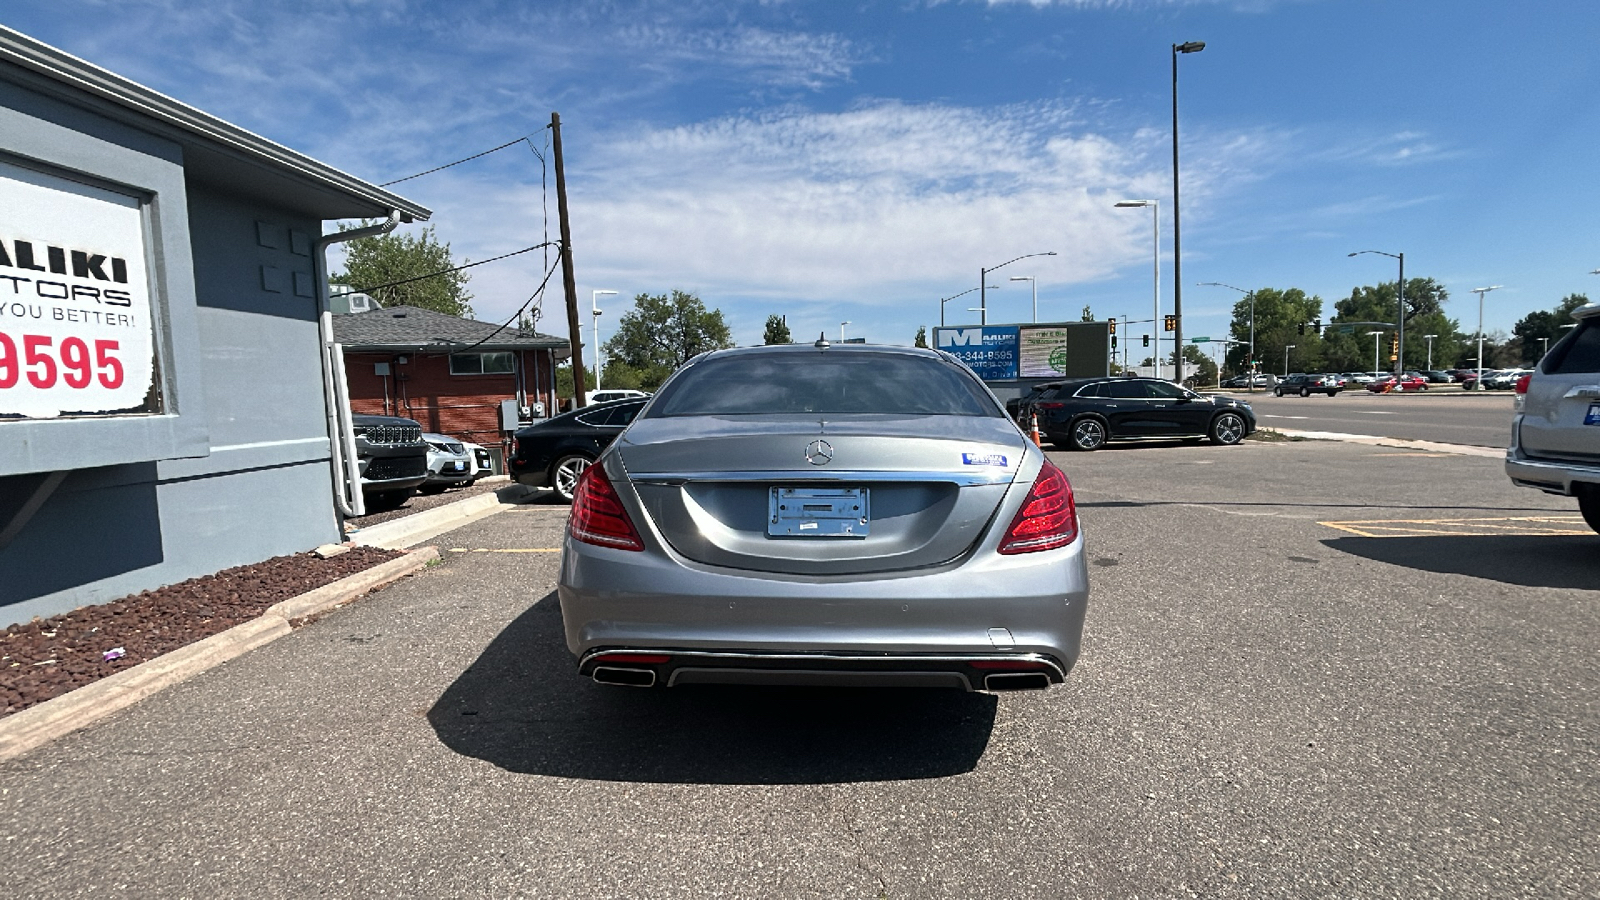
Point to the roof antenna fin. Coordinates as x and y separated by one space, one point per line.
822 341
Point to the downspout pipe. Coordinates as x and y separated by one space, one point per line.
346 467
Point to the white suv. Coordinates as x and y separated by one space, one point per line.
1555 436
609 396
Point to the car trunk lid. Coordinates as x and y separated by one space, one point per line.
779 495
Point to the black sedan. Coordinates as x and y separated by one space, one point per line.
555 452
1306 385
1084 414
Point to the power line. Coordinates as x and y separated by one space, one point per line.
379 287
458 162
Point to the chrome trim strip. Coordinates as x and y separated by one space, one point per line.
746 656
795 476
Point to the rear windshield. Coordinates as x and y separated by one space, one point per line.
823 383
1579 353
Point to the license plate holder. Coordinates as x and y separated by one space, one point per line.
818 512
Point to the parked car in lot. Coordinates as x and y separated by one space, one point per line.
449 464
836 514
1084 414
1555 432
392 457
1397 385
611 396
482 460
1306 385
1436 376
1261 380
554 453
1503 379
1020 408
1359 378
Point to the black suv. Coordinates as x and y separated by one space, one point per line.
1085 413
393 459
1306 385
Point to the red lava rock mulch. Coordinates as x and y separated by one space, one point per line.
48 657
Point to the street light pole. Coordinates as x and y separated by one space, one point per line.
1375 349
983 284
1035 282
1430 338
1400 324
1177 253
594 304
841 331
1155 208
1251 295
944 300
1477 383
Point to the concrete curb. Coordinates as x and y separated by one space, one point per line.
409 531
1419 446
37 725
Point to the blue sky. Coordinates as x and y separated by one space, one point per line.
859 161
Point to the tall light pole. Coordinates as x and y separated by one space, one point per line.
1375 349
1177 252
1251 296
1477 383
983 284
1286 349
1430 338
944 300
594 304
841 330
1035 282
1400 324
1155 208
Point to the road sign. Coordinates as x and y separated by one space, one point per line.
1200 340
1347 329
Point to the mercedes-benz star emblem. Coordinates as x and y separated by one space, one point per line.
819 453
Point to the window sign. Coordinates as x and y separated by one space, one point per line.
77 337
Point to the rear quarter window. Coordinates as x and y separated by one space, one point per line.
1578 354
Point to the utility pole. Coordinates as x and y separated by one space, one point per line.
574 327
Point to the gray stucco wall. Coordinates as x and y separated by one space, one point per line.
258 484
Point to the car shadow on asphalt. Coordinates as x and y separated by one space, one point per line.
1540 561
522 707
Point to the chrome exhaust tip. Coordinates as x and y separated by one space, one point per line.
1016 681
625 677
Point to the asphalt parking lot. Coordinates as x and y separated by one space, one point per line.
1311 669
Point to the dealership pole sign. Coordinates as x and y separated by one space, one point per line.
77 337
1013 352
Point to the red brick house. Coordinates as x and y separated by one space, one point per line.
450 374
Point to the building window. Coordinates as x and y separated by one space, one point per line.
480 364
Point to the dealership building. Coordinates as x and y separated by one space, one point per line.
171 397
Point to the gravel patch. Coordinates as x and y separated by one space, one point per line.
46 658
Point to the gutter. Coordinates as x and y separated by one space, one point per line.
336 392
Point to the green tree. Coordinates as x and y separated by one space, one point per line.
1540 327
1207 371
1282 317
777 331
1425 299
922 337
564 379
371 263
1088 314
662 332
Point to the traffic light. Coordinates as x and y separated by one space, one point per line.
1171 323
1317 324
1113 342
1147 340
1394 348
1302 328
1113 325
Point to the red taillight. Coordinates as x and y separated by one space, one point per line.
598 516
1050 405
1522 383
1048 519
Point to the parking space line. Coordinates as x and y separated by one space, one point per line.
1508 525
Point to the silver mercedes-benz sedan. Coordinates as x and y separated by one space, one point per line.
824 515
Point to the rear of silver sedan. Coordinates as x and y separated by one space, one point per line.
823 515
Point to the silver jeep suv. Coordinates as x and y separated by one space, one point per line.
1555 436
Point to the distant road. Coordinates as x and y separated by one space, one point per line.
1482 420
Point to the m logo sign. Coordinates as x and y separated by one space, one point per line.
960 337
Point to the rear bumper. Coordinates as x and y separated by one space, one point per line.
1550 476
673 668
721 624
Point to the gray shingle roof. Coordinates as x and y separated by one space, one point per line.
416 329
